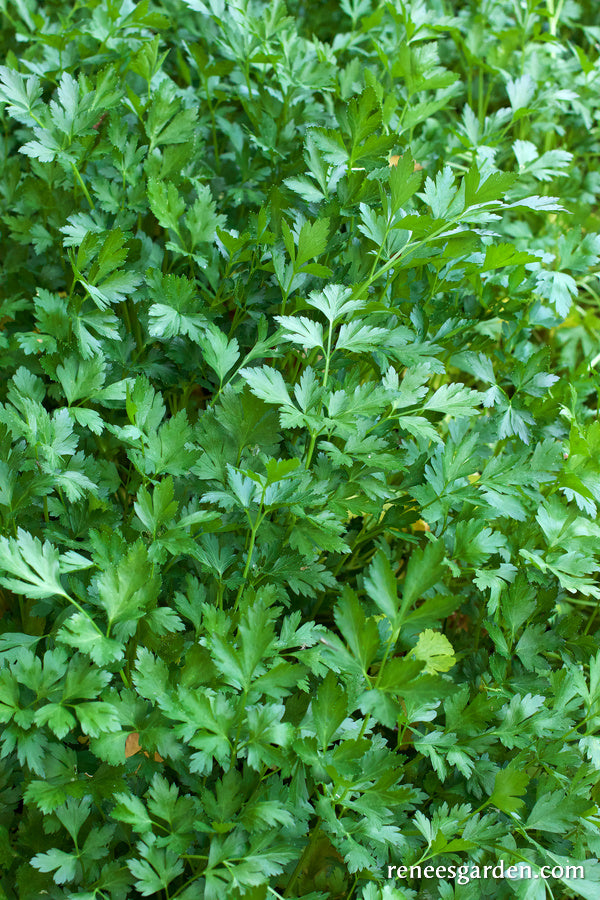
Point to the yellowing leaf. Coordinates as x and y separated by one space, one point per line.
420 525
435 650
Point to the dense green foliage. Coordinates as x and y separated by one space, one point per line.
299 449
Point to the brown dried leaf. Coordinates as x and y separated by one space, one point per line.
132 746
394 160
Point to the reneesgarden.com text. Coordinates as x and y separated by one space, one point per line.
466 873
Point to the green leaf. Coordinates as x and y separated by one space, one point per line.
404 181
22 94
509 786
63 864
220 353
360 633
312 240
127 591
156 509
423 571
79 632
381 586
174 310
34 569
334 301
132 811
555 813
329 709
267 384
165 203
156 870
81 379
202 220
454 400
96 718
301 331
59 720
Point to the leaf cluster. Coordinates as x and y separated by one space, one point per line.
299 447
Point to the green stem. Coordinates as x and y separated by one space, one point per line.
408 248
311 447
236 741
135 324
314 434
220 592
255 528
328 351
22 613
306 855
83 187
480 100
82 611
274 892
213 125
555 16
367 718
191 880
590 621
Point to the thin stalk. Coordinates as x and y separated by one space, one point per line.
255 528
408 248
236 741
311 447
82 183
82 611
590 621
306 855
554 15
353 888
480 99
391 642
274 892
314 434
211 111
135 326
